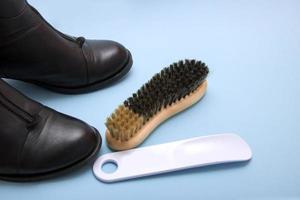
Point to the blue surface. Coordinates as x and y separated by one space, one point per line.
253 51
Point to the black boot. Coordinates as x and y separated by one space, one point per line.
33 51
37 142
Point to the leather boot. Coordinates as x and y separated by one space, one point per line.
32 50
38 142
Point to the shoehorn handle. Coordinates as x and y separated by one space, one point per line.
179 155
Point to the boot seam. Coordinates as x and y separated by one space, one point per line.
86 63
22 150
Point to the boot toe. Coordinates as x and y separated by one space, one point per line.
105 59
64 142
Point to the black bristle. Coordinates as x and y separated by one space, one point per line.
171 84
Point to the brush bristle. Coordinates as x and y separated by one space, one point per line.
165 88
123 123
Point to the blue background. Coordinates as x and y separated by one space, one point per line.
253 51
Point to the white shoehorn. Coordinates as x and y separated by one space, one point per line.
173 156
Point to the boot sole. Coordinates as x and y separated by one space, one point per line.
56 173
92 87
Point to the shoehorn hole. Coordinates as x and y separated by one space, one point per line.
109 166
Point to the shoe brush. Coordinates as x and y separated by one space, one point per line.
174 89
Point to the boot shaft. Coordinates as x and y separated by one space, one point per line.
11 8
14 28
30 48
